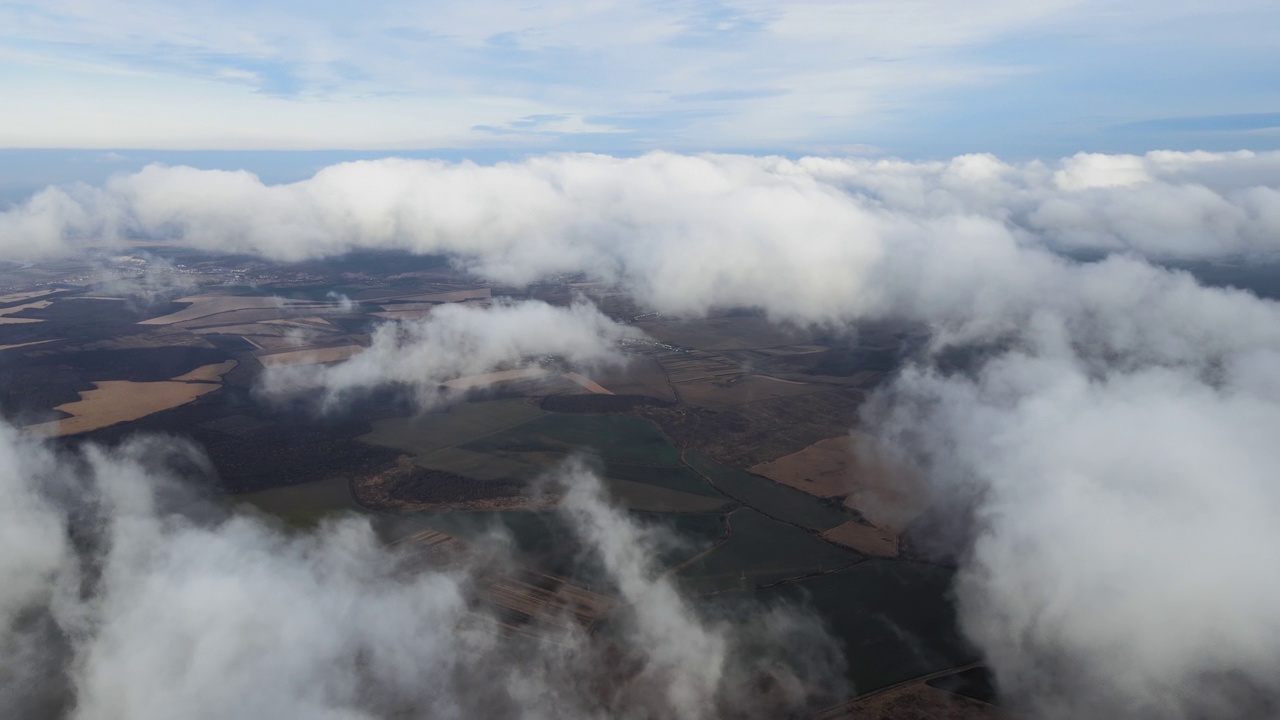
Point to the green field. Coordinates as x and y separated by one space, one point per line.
761 551
651 498
681 479
615 438
305 504
895 619
454 426
779 501
481 466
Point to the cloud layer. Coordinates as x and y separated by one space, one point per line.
1107 435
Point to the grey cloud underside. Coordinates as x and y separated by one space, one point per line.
127 597
1111 441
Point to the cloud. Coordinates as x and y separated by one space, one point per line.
1104 433
126 595
459 340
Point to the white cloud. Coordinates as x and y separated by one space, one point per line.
1111 432
459 340
125 596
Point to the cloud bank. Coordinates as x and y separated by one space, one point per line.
1107 435
126 596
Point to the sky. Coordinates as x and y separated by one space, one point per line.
502 78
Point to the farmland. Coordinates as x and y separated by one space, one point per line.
728 435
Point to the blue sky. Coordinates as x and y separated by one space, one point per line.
502 78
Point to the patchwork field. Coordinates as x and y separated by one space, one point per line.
616 438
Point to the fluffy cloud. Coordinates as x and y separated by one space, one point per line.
126 596
461 340
1107 436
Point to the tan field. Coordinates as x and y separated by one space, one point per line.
5 312
865 539
825 468
117 401
449 297
19 297
25 344
586 382
39 305
208 373
886 493
310 356
206 305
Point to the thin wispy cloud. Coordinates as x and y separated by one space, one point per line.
398 75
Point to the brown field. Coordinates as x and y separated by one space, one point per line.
310 356
639 376
403 307
402 314
741 390
449 297
886 493
914 701
487 379
866 539
208 373
529 600
117 401
825 468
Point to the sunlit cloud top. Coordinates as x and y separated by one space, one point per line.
1039 77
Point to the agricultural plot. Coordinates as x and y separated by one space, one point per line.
304 504
651 498
742 389
310 356
784 503
823 469
680 479
453 426
759 552
616 438
640 376
895 619
914 701
727 332
117 401
481 466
